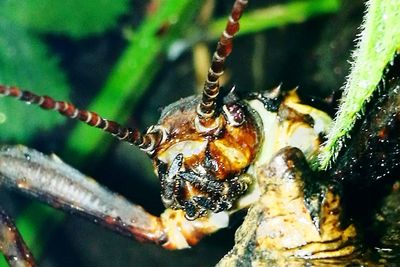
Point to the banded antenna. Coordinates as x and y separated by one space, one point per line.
155 135
206 109
146 142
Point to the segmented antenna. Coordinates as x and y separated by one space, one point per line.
146 142
206 109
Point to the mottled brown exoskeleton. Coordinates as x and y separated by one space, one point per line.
214 154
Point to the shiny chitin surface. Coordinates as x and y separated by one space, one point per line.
200 171
49 179
294 222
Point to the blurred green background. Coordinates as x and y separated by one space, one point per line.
126 60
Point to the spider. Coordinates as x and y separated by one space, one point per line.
201 149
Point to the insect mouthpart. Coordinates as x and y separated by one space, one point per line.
196 189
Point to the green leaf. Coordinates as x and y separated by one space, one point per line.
75 18
24 61
378 41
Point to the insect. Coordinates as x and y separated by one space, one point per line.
200 169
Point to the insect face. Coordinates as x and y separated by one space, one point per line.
199 170
199 147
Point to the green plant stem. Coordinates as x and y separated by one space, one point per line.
379 40
276 16
131 75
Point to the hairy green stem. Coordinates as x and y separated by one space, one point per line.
377 43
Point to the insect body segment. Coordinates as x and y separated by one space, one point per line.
279 229
284 122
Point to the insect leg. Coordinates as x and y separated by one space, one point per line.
50 180
12 245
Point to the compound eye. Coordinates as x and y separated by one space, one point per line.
234 114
